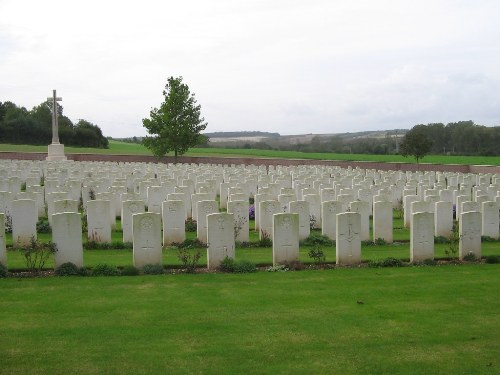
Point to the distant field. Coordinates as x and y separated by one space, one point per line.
122 148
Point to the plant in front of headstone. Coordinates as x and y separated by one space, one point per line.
130 271
277 268
3 271
316 253
227 265
238 225
68 269
8 223
312 222
43 226
453 245
470 257
104 270
387 262
380 242
265 239
317 239
244 266
191 225
153 269
37 253
189 259
400 213
493 259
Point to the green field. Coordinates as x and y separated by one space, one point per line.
122 148
417 320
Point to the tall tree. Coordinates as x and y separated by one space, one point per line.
416 143
177 124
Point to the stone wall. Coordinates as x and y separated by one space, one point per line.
260 161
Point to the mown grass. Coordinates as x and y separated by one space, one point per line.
123 148
417 320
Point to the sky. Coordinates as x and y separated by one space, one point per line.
285 66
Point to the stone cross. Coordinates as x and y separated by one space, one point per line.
55 131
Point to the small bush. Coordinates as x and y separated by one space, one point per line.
190 244
317 254
43 226
487 239
3 271
191 225
189 260
227 265
277 268
130 271
244 266
94 245
67 269
317 239
470 257
153 269
388 262
295 265
104 270
426 262
265 239
380 242
493 259
441 239
37 253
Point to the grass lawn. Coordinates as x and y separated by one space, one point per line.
123 148
413 320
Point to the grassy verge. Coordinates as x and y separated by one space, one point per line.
417 320
123 148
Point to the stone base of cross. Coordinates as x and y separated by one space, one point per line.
56 152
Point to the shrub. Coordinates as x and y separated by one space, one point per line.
92 244
43 226
441 239
8 223
244 266
317 239
487 239
265 239
426 262
317 254
3 271
37 253
380 242
493 259
190 244
104 270
190 225
227 265
67 269
189 260
470 257
277 268
295 265
454 241
130 271
388 262
153 269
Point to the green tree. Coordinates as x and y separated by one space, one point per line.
177 124
416 143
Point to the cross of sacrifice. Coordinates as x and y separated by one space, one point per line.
55 131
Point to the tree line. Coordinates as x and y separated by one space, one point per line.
34 127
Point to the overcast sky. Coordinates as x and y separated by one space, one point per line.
293 67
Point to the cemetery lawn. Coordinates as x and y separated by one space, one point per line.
412 320
124 148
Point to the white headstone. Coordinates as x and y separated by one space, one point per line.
266 211
130 208
285 238
204 208
302 209
443 225
470 234
348 240
422 236
98 225
67 236
173 213
490 219
382 221
147 239
24 218
220 238
3 248
363 208
241 222
330 210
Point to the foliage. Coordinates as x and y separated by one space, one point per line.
251 212
312 222
493 259
415 143
277 268
265 239
43 226
92 244
20 126
70 269
470 257
189 259
316 253
379 242
190 243
454 241
426 262
317 239
295 265
3 271
8 223
37 253
190 225
153 269
130 271
177 124
244 266
388 262
227 264
105 270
